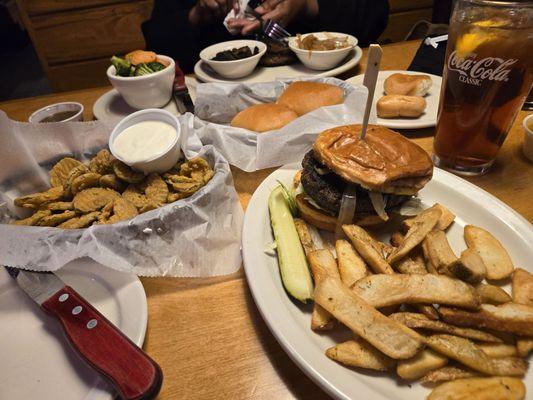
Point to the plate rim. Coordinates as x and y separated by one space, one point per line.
200 74
525 228
125 289
392 123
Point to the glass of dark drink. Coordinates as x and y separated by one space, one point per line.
487 76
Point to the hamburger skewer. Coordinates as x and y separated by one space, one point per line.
370 79
349 198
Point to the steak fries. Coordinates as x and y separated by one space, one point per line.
420 311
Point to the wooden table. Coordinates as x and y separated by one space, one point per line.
207 334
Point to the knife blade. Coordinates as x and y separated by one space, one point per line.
132 373
181 92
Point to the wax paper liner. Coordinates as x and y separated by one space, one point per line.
217 103
194 237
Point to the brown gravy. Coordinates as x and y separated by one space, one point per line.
59 116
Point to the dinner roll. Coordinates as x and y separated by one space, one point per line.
264 117
409 85
395 105
303 97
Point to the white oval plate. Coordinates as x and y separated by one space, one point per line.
267 74
37 361
428 119
290 322
111 107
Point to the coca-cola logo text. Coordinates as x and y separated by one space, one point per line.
473 71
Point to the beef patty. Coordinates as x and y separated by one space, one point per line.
326 189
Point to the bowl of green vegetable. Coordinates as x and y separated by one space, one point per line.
143 79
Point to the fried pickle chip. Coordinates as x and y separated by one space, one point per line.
85 181
105 213
156 189
111 181
37 200
60 171
172 197
135 195
56 219
32 219
184 184
101 163
80 222
94 199
148 207
197 169
122 209
58 206
126 173
74 173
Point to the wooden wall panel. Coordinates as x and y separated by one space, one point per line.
36 7
91 33
80 75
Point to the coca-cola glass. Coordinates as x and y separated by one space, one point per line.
487 75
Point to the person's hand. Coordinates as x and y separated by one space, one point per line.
281 11
207 11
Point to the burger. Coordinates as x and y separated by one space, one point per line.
386 169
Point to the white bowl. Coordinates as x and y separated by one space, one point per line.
37 116
145 91
158 162
236 68
528 137
322 59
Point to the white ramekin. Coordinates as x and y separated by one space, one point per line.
44 112
322 59
160 162
528 137
145 91
236 68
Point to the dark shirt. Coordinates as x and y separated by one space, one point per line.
168 30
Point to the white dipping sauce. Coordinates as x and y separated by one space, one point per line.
142 141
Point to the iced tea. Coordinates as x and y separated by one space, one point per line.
487 76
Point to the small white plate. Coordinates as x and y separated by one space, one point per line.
428 119
37 361
290 321
111 107
267 74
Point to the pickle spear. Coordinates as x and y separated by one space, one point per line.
292 262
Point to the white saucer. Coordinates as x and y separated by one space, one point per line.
111 107
37 361
426 120
267 74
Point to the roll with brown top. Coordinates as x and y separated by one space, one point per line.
396 105
264 117
303 97
409 85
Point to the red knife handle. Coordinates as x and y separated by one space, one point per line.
130 370
179 78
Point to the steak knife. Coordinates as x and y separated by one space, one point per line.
181 92
133 374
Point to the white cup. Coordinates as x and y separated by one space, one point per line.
322 59
154 163
527 123
233 69
145 91
37 116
